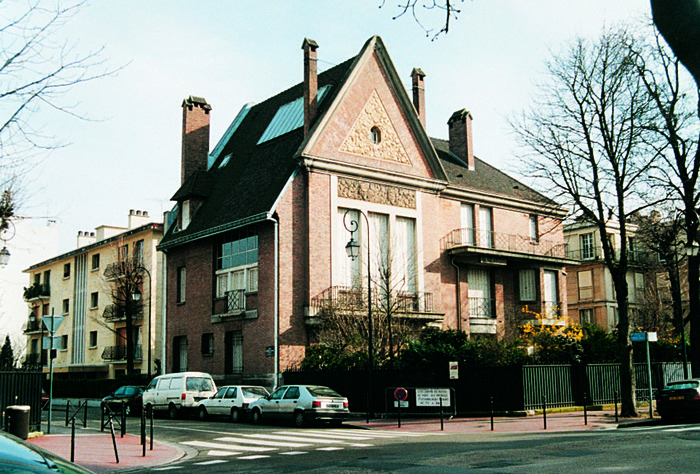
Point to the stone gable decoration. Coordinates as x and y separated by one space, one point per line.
374 136
376 193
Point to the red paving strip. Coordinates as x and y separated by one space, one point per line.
96 451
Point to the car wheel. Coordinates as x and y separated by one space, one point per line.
202 413
257 416
172 412
299 420
235 415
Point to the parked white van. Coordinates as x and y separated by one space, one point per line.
178 393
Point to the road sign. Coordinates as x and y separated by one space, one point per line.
638 337
401 394
52 322
454 370
431 397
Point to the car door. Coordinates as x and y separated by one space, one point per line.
271 407
228 400
214 405
289 401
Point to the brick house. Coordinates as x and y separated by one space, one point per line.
261 226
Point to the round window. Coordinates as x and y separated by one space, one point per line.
375 135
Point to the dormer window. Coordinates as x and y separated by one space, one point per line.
185 214
375 134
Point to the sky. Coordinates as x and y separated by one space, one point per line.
236 52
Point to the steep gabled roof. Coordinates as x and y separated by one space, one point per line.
265 167
485 178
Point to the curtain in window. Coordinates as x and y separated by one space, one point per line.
486 227
480 298
551 294
379 249
467 218
528 284
404 254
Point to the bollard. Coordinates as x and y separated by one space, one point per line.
491 413
143 433
585 413
85 414
150 415
442 418
544 410
72 440
123 424
616 420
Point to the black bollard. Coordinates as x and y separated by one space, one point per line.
616 420
491 413
544 411
72 441
442 418
585 412
150 416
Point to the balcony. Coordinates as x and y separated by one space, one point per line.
33 325
34 360
235 301
496 248
417 306
118 353
37 291
595 254
114 313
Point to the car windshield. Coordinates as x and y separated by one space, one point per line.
201 384
683 386
322 392
254 392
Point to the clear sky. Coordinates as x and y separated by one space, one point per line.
235 52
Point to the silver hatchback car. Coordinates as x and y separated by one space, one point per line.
301 404
231 400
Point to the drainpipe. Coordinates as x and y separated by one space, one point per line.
458 295
163 277
276 303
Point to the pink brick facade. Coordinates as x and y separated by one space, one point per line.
366 151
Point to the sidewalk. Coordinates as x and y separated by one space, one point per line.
94 449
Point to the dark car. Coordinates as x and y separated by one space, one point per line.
129 395
17 455
679 399
44 399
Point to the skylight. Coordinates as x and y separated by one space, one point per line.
214 155
289 116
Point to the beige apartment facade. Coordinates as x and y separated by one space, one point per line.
78 286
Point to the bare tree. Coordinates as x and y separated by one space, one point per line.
588 135
37 70
417 9
124 278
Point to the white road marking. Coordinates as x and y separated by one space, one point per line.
293 453
207 463
254 457
225 447
324 435
222 453
330 448
261 442
296 438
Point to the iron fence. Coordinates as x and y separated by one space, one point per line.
342 297
116 353
501 241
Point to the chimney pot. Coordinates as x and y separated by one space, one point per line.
310 83
460 133
418 82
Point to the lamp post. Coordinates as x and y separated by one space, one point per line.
692 249
136 295
680 300
353 250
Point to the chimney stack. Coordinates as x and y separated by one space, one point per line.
85 238
137 218
460 131
418 80
310 83
195 136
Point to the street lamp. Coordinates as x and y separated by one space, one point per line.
680 301
353 250
136 295
4 257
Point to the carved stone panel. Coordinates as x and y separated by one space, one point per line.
374 136
377 193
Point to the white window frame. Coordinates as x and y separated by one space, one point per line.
250 277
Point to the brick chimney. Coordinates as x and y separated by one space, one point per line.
461 142
310 83
418 80
195 135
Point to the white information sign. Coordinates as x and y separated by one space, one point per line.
454 370
404 404
430 397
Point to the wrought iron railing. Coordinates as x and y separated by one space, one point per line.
37 290
235 301
501 241
482 307
634 257
343 297
119 353
33 325
33 360
114 313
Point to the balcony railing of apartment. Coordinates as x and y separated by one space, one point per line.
482 307
343 298
114 313
33 360
634 257
235 301
33 325
37 290
116 353
501 241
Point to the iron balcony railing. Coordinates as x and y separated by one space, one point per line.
482 307
33 360
505 242
37 290
235 301
114 313
116 353
343 297
33 325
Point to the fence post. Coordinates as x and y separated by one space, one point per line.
544 411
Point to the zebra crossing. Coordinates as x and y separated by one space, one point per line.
242 446
666 428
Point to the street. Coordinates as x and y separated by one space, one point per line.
218 445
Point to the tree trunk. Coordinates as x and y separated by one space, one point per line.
694 310
628 383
